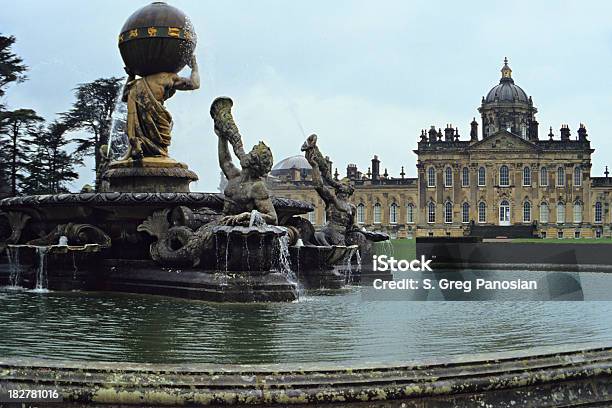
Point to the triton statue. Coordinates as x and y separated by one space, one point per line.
246 195
340 228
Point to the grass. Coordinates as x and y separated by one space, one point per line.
563 241
402 248
406 248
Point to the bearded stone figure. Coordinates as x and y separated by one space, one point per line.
245 193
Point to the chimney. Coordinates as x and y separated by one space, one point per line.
565 133
433 135
448 133
582 133
351 171
329 162
474 131
375 168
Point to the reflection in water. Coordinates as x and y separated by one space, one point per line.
339 328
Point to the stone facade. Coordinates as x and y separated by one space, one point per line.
507 176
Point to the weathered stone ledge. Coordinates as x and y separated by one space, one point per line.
543 377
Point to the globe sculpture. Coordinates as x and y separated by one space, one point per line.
157 38
156 42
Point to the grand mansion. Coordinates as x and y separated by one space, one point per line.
505 180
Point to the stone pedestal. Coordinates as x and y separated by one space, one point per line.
149 175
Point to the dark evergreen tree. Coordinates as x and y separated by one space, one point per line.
50 167
19 126
12 70
92 112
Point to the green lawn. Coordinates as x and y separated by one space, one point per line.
402 248
564 241
406 248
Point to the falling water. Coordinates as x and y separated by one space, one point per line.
41 273
246 253
227 245
358 259
261 252
14 266
117 132
387 247
256 219
285 263
348 271
75 270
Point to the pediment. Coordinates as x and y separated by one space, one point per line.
504 141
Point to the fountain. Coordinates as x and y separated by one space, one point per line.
146 232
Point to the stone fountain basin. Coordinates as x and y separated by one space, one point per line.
128 205
544 377
320 266
118 214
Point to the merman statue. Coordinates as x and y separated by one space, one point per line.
245 193
340 228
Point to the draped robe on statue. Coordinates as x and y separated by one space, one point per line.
149 123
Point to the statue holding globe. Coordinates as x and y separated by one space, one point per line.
149 123
156 42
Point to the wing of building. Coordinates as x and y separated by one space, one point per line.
505 180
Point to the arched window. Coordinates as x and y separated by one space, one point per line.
360 213
544 177
527 211
410 214
577 212
560 176
377 213
482 212
526 176
504 176
482 176
544 213
431 212
598 213
560 213
448 212
465 213
431 177
393 213
465 177
448 177
577 176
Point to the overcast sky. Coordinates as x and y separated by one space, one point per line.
366 76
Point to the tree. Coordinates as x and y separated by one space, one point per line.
51 167
12 68
19 126
92 112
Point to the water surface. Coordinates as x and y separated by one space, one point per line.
338 328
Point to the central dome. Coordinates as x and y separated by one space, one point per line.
294 162
507 90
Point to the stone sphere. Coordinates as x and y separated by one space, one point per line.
157 38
